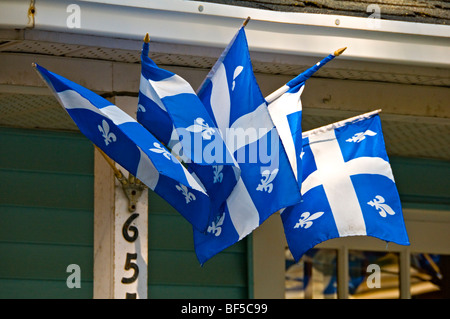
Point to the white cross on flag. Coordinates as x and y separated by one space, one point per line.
347 187
232 96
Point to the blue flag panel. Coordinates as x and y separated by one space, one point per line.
170 109
285 109
235 103
348 188
133 147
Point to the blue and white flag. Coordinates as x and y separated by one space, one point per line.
171 110
348 188
234 100
285 108
151 112
286 114
128 143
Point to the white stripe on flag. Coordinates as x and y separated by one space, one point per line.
117 115
147 172
146 89
336 125
73 100
220 99
337 184
279 109
360 165
249 128
171 86
243 213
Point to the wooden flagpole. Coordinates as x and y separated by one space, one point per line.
246 21
277 93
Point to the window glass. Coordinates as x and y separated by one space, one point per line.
373 275
430 276
313 277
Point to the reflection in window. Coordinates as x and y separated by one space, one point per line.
430 276
314 276
373 275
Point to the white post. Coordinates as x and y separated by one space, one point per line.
130 246
120 235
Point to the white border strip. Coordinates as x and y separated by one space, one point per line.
336 125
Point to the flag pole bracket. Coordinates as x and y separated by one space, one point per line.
132 187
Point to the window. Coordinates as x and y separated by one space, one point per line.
373 275
367 275
430 276
339 268
313 277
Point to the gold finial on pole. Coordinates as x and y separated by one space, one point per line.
339 51
246 21
147 38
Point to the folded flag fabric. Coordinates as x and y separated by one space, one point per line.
234 101
301 78
151 112
128 143
285 108
171 110
286 114
348 188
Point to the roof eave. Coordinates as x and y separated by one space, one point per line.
213 25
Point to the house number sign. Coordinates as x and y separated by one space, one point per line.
130 261
130 247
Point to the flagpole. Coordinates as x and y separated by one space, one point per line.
246 21
338 52
219 61
117 172
303 76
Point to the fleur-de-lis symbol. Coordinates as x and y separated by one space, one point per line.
306 219
218 175
184 190
107 135
237 71
215 226
141 108
379 203
200 126
266 181
358 137
160 149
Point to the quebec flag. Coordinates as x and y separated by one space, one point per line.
151 112
348 188
285 108
128 143
234 101
286 114
171 110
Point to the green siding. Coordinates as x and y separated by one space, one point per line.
422 181
46 213
174 271
46 223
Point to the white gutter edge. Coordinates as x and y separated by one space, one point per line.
210 25
295 18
